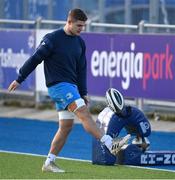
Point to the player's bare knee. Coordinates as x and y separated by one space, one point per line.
83 114
65 129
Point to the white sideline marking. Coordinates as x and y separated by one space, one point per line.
157 169
73 159
39 155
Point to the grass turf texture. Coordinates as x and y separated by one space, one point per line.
18 166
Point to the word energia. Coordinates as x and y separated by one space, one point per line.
131 64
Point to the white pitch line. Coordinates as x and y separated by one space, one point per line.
39 155
150 168
73 159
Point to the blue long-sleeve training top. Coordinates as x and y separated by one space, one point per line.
64 60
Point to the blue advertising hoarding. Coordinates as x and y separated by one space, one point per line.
137 65
15 48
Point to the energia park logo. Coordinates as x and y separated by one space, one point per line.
129 64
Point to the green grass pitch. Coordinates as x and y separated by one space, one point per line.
20 166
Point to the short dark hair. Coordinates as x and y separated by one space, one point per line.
77 14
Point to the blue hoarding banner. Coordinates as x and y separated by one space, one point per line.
15 48
137 65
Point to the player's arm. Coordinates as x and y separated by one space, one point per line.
42 52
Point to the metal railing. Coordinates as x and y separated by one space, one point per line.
141 28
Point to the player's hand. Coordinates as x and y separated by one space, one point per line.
13 86
86 100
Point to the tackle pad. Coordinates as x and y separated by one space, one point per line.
130 155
